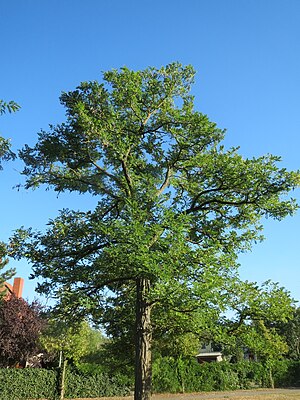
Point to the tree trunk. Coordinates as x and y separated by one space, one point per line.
143 367
62 379
271 378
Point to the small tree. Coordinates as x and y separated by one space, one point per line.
69 342
73 342
20 327
174 206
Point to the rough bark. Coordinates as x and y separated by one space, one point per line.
143 367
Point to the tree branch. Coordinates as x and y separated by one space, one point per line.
166 181
218 201
127 176
95 288
106 173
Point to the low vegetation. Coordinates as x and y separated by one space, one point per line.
170 376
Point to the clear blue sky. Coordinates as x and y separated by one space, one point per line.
247 57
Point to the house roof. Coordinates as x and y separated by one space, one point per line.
210 354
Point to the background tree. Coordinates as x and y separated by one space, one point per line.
72 342
20 327
174 207
69 343
290 330
258 311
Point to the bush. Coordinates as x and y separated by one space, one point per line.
169 375
186 375
88 380
286 373
28 383
37 383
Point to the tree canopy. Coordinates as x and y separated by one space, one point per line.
174 206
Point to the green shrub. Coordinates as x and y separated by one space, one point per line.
37 383
90 368
169 375
179 375
93 383
286 373
28 383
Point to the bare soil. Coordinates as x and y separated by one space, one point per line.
259 394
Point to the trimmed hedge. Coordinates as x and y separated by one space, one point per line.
38 383
27 383
169 375
94 385
187 375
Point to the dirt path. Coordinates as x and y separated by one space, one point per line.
238 394
259 394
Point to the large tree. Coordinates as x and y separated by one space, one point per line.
174 206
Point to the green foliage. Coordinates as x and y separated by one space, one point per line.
174 375
27 383
6 274
169 375
174 206
36 383
290 330
95 385
185 374
258 314
10 107
75 341
5 152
